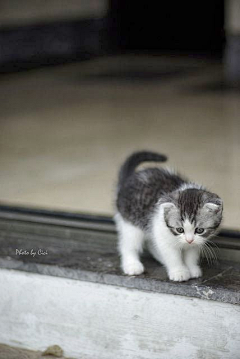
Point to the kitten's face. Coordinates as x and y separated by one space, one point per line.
193 216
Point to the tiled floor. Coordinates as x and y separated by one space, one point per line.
64 131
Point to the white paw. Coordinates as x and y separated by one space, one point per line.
179 275
195 272
133 268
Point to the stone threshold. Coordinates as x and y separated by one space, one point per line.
86 251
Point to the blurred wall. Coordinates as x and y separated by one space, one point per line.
22 12
38 32
232 17
232 51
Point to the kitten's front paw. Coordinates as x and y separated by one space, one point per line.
195 272
133 268
179 275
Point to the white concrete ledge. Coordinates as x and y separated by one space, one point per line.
91 320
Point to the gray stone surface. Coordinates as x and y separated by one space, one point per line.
90 255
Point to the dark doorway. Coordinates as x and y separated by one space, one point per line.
169 25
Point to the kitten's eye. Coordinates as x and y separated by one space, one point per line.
180 229
199 230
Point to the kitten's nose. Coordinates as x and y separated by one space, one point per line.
189 240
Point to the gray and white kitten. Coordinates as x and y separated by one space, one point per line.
174 216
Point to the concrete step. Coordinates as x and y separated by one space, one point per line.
60 284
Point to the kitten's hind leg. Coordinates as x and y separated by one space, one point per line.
130 245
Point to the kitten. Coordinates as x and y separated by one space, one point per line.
174 216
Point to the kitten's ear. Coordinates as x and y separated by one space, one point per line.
215 207
168 206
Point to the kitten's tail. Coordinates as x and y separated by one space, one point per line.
134 160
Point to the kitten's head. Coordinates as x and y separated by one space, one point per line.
192 215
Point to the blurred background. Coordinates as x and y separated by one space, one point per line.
84 83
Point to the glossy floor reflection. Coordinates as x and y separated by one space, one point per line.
64 131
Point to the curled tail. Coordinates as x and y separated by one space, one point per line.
134 160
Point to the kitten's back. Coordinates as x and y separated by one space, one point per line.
138 192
